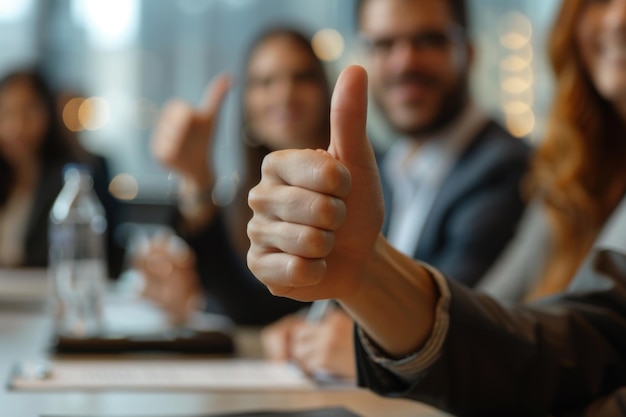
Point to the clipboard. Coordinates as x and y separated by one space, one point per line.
187 341
320 412
134 326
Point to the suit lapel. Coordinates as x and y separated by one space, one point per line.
454 185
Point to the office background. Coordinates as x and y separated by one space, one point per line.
118 61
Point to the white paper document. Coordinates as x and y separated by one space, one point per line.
210 374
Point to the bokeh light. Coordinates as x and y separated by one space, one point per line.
328 45
70 114
521 125
514 63
515 85
124 187
94 113
516 108
516 72
516 30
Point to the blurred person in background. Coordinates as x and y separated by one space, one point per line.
451 182
457 349
578 173
33 151
285 101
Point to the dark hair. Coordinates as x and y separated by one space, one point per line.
303 41
54 147
256 152
458 8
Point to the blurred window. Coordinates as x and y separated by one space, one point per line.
120 60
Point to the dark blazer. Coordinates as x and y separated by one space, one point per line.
563 356
229 285
50 184
478 208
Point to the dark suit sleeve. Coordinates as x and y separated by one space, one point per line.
226 278
483 221
610 405
555 357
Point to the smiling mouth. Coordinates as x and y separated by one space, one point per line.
285 115
410 92
614 50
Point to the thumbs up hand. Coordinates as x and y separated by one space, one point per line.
318 214
184 135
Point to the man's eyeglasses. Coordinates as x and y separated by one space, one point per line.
424 41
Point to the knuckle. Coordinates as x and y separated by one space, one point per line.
279 290
252 259
317 243
328 173
328 211
257 197
268 164
253 230
254 234
302 272
334 175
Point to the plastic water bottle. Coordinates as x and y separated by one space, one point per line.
77 258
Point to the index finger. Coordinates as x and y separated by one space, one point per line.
308 169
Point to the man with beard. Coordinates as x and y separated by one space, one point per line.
451 181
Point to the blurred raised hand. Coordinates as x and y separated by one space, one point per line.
183 142
168 268
183 137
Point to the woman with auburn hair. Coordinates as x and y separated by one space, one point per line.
578 173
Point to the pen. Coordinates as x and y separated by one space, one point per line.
318 310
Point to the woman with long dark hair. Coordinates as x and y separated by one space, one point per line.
33 151
285 104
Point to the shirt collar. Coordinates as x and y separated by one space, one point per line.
438 153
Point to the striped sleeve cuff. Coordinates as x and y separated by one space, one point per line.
413 366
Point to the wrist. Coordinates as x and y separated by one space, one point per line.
196 182
396 301
196 205
196 196
196 190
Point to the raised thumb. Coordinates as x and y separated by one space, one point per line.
348 117
214 95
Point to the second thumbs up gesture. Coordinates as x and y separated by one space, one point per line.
183 136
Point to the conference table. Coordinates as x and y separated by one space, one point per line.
25 332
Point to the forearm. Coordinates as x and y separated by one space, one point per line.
553 356
395 304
